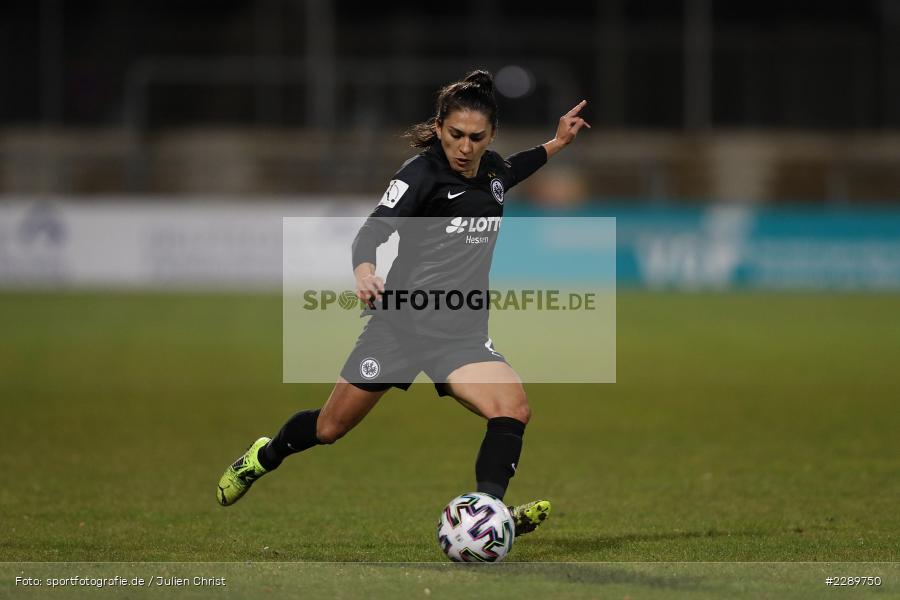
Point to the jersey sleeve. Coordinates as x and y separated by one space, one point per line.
406 193
521 165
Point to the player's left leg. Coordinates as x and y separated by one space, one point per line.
494 391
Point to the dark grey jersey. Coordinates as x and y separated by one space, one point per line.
448 227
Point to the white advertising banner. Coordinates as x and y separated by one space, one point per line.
157 244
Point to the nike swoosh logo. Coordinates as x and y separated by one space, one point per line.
452 196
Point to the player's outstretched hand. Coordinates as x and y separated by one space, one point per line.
570 123
569 126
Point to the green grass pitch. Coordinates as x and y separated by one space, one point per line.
743 427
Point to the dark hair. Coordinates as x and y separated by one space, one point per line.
474 92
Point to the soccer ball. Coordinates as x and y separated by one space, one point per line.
476 527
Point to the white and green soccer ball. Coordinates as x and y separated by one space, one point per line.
476 527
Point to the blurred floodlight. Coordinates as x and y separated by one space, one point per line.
514 81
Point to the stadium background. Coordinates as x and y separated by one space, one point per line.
749 151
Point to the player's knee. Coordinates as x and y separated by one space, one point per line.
522 412
516 407
329 433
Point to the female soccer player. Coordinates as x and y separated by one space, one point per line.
454 179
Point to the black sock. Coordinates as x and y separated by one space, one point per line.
499 455
297 435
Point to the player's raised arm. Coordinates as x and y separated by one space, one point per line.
524 164
569 125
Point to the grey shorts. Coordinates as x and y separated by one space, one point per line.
386 357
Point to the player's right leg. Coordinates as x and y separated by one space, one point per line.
345 408
494 391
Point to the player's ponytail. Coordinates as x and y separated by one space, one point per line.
482 80
474 92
